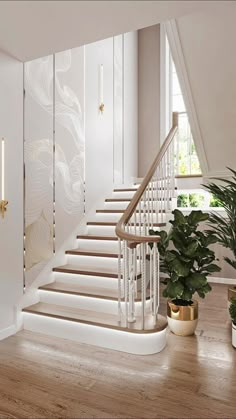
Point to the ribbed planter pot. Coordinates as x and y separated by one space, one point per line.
231 294
234 335
182 320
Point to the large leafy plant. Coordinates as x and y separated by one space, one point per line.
225 227
186 258
232 311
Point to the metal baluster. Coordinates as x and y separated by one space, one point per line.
155 273
143 289
131 317
161 190
169 177
151 279
165 184
145 214
126 280
135 255
148 209
152 199
119 281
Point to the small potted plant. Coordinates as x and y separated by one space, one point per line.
187 261
232 312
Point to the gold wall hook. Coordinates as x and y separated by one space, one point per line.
102 107
3 207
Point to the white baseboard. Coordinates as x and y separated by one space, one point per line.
9 331
217 280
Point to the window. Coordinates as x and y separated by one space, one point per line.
172 101
197 198
187 159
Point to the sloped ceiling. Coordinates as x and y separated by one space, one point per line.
31 29
208 46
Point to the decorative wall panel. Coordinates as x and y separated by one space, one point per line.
118 134
38 157
69 139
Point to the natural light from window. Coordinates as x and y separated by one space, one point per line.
187 159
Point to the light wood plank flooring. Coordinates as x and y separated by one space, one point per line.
194 377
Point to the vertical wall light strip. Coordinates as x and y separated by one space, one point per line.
54 154
84 78
114 110
24 188
3 169
123 110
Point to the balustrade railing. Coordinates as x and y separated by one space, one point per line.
138 262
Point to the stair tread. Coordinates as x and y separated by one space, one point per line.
114 223
81 252
128 199
87 271
94 292
92 237
95 318
79 270
121 211
125 190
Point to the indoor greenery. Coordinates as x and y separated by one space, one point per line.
186 258
232 311
225 227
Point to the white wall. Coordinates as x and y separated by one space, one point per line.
98 126
130 106
11 227
91 150
148 97
207 43
111 138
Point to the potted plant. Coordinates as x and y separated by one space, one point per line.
186 260
232 312
223 226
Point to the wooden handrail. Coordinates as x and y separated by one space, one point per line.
120 227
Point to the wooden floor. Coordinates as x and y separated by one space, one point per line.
194 377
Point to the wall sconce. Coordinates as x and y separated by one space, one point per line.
101 106
3 202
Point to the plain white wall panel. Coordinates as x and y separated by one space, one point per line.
11 227
99 127
118 61
130 106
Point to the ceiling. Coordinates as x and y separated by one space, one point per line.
31 29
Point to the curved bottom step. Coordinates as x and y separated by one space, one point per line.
103 330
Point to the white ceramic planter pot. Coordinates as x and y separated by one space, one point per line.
234 335
182 320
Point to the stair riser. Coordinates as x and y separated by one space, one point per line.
108 230
101 230
86 303
157 218
107 338
116 205
125 194
93 262
98 245
86 280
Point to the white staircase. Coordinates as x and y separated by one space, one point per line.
81 304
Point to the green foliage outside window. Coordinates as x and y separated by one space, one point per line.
191 200
215 202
